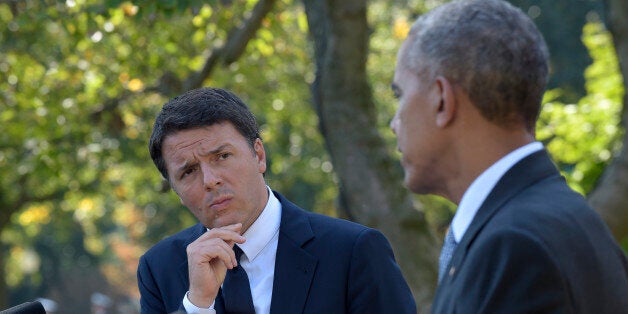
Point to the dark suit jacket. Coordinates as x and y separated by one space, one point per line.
323 265
535 246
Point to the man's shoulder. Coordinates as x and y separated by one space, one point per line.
335 224
319 221
340 232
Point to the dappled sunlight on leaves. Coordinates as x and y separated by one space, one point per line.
36 214
23 261
583 137
123 271
135 85
81 83
401 28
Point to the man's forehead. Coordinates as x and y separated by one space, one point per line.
182 140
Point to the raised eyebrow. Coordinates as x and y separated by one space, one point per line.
218 150
192 163
185 166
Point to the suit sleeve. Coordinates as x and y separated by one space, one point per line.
511 273
376 284
150 297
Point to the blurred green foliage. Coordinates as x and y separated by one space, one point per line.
78 95
561 23
78 101
584 136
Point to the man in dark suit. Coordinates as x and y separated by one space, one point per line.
253 251
470 78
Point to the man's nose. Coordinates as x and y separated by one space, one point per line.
211 177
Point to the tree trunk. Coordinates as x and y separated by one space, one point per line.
369 179
609 197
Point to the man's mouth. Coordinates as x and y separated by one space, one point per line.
220 203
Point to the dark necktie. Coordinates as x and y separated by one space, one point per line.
236 291
449 245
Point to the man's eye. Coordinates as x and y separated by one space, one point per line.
188 171
224 156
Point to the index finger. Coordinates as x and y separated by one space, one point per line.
228 234
235 227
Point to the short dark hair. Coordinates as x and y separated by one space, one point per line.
491 49
200 108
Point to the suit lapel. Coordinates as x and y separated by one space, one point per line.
528 171
294 267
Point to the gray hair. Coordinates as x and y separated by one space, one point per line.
489 48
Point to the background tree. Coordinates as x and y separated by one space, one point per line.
81 82
561 23
609 197
368 176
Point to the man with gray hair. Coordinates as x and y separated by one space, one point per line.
470 79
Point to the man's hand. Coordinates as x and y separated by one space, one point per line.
209 257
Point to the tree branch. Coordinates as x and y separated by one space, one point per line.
237 39
235 45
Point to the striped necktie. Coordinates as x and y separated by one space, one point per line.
449 245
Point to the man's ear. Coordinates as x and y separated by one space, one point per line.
448 105
260 154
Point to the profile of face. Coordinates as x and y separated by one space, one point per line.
217 175
414 125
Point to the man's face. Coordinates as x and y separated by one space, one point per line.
217 175
414 126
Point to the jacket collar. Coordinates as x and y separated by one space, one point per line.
529 171
294 266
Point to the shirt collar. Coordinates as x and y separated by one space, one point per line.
261 232
477 192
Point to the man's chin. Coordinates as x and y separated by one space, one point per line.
220 222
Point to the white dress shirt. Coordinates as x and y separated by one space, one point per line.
477 192
258 260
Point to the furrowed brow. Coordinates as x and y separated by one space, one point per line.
185 166
218 149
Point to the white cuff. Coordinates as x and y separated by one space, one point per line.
193 309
